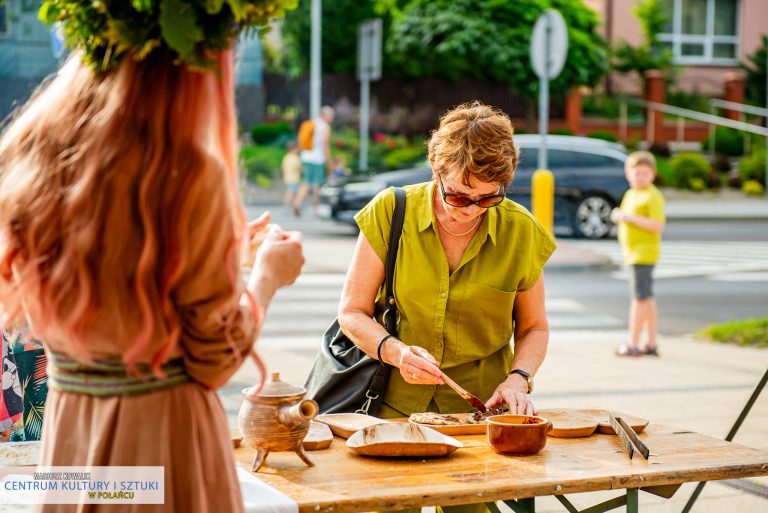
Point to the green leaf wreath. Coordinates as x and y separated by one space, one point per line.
108 30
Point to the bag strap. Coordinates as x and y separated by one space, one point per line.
391 315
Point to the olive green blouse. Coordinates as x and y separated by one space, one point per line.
464 318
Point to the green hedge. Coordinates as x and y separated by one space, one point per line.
271 133
603 135
752 167
404 157
689 171
728 141
261 163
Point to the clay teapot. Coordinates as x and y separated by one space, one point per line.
276 419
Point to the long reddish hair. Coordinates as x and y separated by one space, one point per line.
151 124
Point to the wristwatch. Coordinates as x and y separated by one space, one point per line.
527 377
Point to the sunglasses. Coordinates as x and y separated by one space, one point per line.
461 201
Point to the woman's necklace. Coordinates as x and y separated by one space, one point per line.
458 234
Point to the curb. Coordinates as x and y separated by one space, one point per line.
602 265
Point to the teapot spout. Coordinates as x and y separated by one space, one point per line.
302 411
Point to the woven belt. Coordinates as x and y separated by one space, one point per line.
104 378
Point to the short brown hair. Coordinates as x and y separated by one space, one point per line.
640 158
474 140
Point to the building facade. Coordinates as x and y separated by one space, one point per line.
26 55
708 38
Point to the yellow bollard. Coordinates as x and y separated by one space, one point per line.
543 197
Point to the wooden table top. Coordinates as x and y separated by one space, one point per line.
342 481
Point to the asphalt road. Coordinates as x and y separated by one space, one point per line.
742 230
686 304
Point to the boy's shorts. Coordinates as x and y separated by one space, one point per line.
293 187
314 174
642 281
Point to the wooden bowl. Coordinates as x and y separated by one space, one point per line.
517 434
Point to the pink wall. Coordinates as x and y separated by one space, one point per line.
752 24
753 21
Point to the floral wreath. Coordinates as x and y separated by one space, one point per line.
108 30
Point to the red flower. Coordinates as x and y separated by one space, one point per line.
379 137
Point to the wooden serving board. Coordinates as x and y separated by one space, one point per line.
456 429
20 453
236 437
398 440
318 437
577 422
637 424
569 423
346 424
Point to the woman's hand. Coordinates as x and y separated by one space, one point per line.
278 260
514 392
258 229
417 366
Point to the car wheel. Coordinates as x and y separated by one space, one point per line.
592 219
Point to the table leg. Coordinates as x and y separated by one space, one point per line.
632 505
629 500
518 505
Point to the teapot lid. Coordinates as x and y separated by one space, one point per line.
275 388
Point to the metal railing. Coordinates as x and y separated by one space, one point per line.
712 119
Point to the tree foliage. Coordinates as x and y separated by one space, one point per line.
339 33
649 54
451 39
489 40
756 70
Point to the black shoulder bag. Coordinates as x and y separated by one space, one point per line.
343 378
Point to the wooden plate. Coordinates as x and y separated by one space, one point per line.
636 423
20 453
455 429
318 437
236 437
345 424
402 440
570 423
575 417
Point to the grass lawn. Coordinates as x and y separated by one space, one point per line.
750 332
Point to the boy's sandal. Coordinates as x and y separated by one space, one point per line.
649 351
625 350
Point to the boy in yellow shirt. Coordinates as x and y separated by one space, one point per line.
641 221
291 168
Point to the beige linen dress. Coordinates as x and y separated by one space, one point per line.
184 427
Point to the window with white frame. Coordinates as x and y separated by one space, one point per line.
702 31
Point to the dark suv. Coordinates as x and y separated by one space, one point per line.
589 182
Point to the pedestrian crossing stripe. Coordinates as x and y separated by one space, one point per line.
682 259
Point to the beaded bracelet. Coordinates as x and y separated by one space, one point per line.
378 351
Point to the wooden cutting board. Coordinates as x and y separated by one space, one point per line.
577 422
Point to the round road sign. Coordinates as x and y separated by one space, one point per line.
550 32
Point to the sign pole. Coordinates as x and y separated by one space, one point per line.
368 68
544 99
365 106
315 64
549 50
